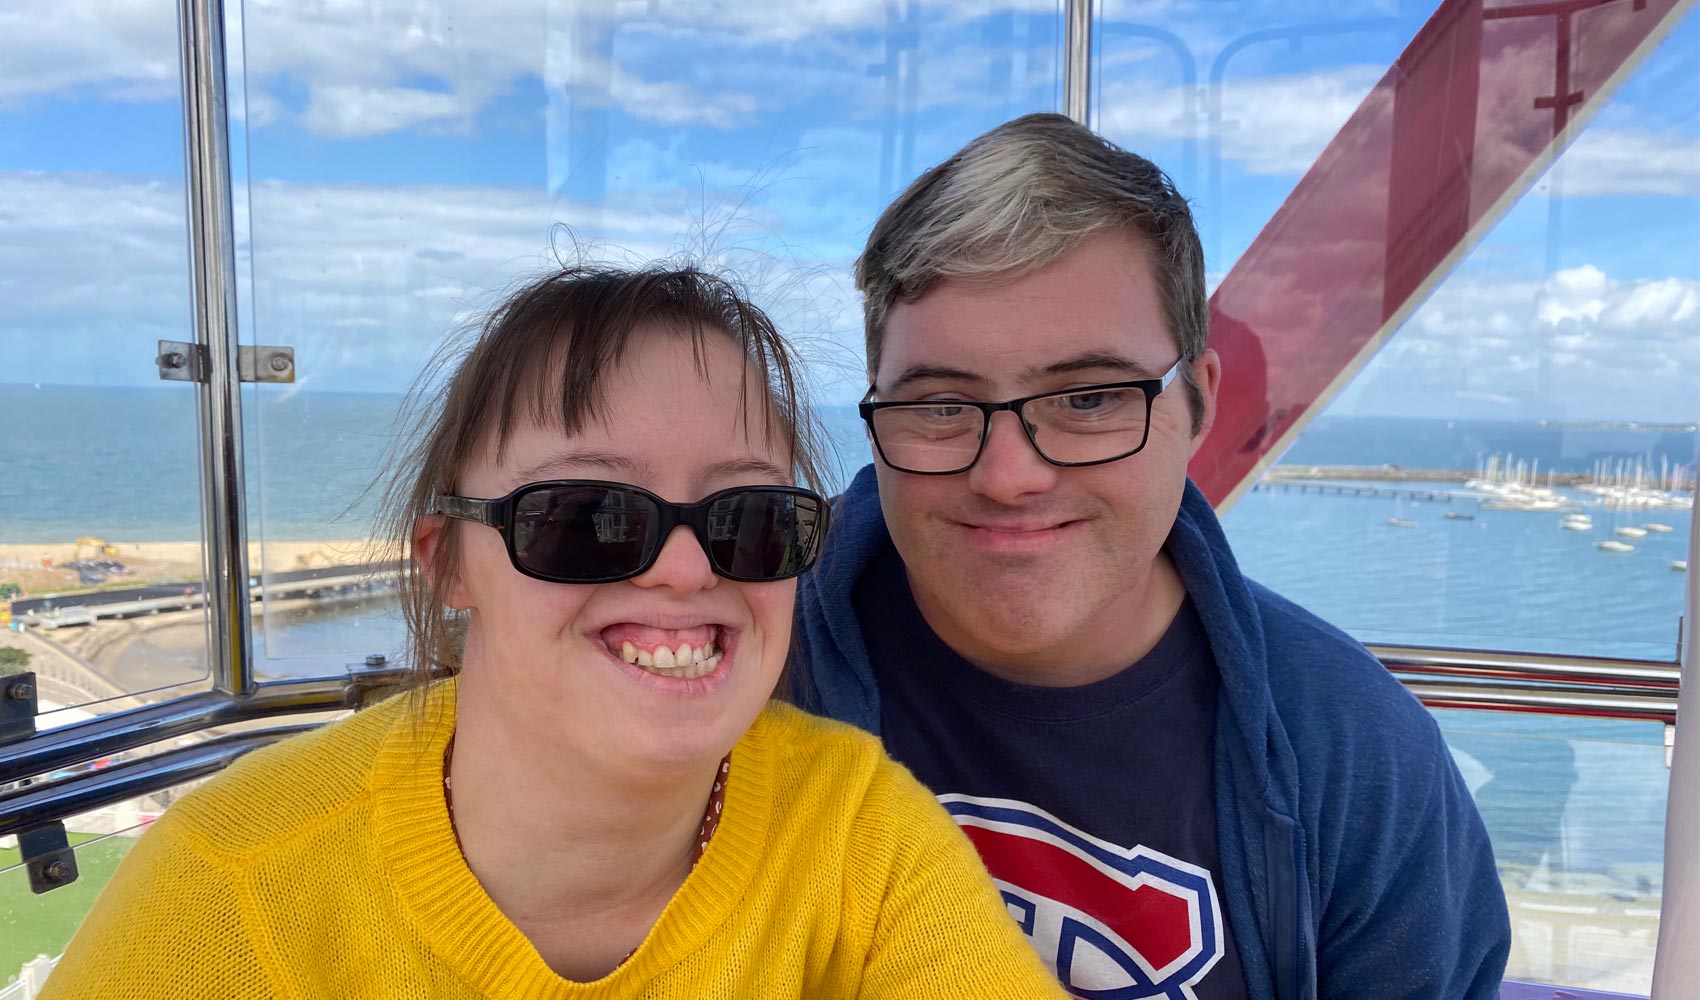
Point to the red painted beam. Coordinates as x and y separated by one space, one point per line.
1461 126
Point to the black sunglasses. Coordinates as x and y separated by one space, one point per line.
589 531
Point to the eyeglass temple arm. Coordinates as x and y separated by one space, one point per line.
467 509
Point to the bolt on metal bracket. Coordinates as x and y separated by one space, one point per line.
181 361
18 707
263 363
185 361
48 856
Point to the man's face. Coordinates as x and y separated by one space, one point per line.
1018 563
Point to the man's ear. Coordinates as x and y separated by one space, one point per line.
1207 376
430 532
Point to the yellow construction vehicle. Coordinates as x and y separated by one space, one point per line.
99 545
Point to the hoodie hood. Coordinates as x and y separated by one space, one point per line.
833 675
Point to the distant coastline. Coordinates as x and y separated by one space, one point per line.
1399 474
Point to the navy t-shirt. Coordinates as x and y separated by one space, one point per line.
1092 806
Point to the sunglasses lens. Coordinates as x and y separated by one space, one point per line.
583 534
764 535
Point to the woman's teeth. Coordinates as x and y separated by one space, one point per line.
683 661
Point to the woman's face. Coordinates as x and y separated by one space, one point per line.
552 658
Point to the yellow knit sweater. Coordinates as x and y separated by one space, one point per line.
326 866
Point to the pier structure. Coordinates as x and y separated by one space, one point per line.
1362 490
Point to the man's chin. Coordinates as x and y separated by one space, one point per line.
1016 624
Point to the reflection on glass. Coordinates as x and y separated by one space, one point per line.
99 516
1515 468
1441 228
406 170
34 929
1577 821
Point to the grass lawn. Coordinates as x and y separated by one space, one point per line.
32 925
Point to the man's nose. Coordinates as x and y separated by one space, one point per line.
1009 467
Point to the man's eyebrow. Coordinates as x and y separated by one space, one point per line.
1094 361
941 373
555 464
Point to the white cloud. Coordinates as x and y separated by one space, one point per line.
1670 300
114 49
362 280
1583 296
353 69
1278 125
1629 161
1581 345
667 103
1574 294
1270 124
352 112
365 69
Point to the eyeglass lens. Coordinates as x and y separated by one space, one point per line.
1092 425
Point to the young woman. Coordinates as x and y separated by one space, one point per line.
596 798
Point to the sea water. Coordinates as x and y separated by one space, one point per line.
1580 796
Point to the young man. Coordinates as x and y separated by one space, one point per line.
1186 786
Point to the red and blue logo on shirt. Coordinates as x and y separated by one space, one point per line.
1116 923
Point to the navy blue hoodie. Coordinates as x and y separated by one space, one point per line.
1353 861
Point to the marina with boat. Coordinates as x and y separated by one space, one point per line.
1625 492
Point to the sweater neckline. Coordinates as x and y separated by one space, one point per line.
448 907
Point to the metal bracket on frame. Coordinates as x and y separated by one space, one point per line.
18 707
48 856
183 361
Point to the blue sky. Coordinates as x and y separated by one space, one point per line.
397 168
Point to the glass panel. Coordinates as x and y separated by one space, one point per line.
100 538
1237 113
1515 470
1576 809
32 925
34 930
1392 241
406 170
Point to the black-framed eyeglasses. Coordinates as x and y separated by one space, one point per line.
1086 425
590 531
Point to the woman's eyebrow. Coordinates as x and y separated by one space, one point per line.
639 471
746 466
551 467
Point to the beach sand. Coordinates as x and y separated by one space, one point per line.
39 567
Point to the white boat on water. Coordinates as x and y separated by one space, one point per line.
1613 545
1576 522
1629 532
1399 522
1522 503
1680 565
1656 526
